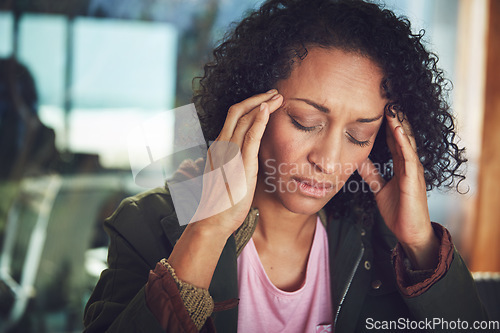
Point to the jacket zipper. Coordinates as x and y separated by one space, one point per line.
351 277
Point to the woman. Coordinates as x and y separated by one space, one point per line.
309 246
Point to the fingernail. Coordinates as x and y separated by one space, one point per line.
389 110
400 129
272 91
262 106
401 116
275 97
396 109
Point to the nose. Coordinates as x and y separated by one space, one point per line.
325 154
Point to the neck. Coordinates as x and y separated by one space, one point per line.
278 225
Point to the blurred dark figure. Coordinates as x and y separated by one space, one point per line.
27 147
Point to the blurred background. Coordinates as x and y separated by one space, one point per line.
77 75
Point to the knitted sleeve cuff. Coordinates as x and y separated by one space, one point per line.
197 301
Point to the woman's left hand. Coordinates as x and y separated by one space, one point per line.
402 201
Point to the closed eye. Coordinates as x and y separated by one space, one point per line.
357 142
302 127
312 128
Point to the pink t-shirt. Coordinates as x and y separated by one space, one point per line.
265 308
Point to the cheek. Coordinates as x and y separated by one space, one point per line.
355 161
280 142
361 155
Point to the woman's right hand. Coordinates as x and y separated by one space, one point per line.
228 191
196 253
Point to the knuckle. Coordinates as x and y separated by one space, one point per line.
250 136
234 109
415 159
243 121
409 158
410 162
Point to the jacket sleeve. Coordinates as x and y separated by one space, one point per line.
415 282
119 302
165 290
446 293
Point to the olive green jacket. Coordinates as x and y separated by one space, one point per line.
144 229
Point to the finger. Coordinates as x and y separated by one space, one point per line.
238 110
250 149
220 151
403 119
401 137
245 123
405 154
371 176
398 159
189 168
396 153
391 142
184 171
200 164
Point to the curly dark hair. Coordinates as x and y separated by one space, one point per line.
263 47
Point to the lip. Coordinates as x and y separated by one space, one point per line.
313 188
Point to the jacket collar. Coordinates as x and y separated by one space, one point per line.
246 230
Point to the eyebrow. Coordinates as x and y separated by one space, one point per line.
324 109
321 108
368 120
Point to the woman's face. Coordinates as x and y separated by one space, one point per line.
332 110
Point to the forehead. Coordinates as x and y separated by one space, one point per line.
336 78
